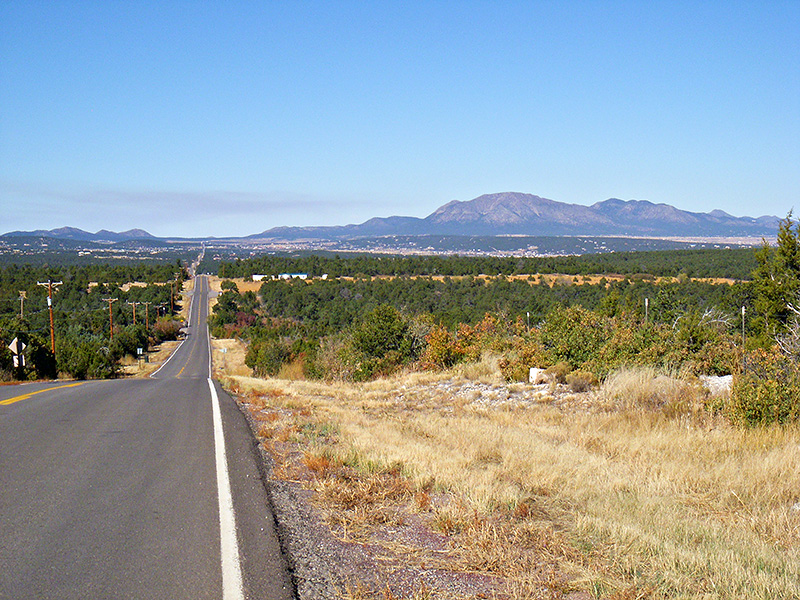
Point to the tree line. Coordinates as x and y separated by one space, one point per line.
733 263
358 327
83 316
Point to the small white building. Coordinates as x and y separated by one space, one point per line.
293 276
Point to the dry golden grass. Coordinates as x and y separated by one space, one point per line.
228 357
646 495
156 358
292 371
550 279
647 388
487 370
244 285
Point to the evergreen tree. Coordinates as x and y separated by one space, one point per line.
776 279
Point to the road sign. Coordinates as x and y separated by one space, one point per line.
19 361
16 346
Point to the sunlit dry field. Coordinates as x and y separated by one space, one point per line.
609 494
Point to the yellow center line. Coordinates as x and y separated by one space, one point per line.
29 394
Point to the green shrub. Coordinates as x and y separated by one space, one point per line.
382 331
526 352
89 358
166 329
574 335
631 344
267 355
128 340
491 334
383 341
691 346
766 391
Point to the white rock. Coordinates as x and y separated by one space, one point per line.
717 385
536 376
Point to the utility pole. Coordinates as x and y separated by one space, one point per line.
172 293
50 283
744 354
743 329
133 304
146 315
111 314
22 295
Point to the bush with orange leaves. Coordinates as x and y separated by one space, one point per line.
441 349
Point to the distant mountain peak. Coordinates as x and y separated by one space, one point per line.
516 213
721 214
73 233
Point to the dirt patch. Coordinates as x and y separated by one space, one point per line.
244 285
228 358
126 287
155 358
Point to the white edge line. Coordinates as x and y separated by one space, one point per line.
174 352
171 356
232 588
208 334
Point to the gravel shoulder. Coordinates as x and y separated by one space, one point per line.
402 558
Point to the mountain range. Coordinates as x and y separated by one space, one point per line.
72 233
512 213
508 213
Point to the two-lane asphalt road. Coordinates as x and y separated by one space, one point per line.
125 489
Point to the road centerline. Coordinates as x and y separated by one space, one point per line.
29 394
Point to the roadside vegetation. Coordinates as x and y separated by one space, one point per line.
403 403
84 347
359 329
362 327
632 490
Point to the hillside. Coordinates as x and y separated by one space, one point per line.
512 213
73 233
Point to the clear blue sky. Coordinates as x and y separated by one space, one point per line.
228 118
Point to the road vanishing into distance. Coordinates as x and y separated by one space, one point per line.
125 488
